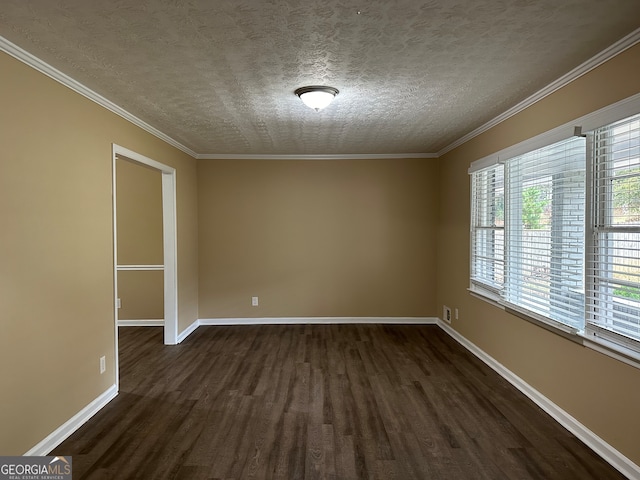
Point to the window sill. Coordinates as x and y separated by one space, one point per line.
486 295
586 339
611 349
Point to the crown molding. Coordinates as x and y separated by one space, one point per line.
51 72
620 46
358 156
55 74
607 54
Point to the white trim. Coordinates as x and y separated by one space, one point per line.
139 267
63 432
169 234
188 331
605 55
589 438
594 62
170 242
318 320
541 320
586 338
357 156
593 441
305 321
51 72
151 322
55 74
116 300
609 114
478 291
136 157
611 349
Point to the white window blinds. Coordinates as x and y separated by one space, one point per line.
613 269
487 228
545 197
555 232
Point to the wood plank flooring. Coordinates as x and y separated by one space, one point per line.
319 402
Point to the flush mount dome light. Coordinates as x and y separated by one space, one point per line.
316 97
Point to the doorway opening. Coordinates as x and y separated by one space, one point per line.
168 267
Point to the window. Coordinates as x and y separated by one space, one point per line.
614 255
487 228
545 232
555 233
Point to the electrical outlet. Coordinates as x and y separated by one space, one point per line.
446 313
103 364
254 301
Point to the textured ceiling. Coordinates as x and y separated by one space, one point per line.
218 76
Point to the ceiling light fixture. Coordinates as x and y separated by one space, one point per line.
316 97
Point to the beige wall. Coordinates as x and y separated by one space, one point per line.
139 206
56 248
139 234
317 238
348 238
141 295
600 392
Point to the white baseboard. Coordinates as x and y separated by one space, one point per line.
153 322
318 320
303 321
73 424
593 441
188 331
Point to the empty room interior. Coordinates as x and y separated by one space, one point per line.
436 275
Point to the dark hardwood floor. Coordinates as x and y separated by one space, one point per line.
319 402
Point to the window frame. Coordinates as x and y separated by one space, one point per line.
625 351
602 224
525 288
480 282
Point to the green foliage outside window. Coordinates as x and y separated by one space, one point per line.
626 192
535 200
627 292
